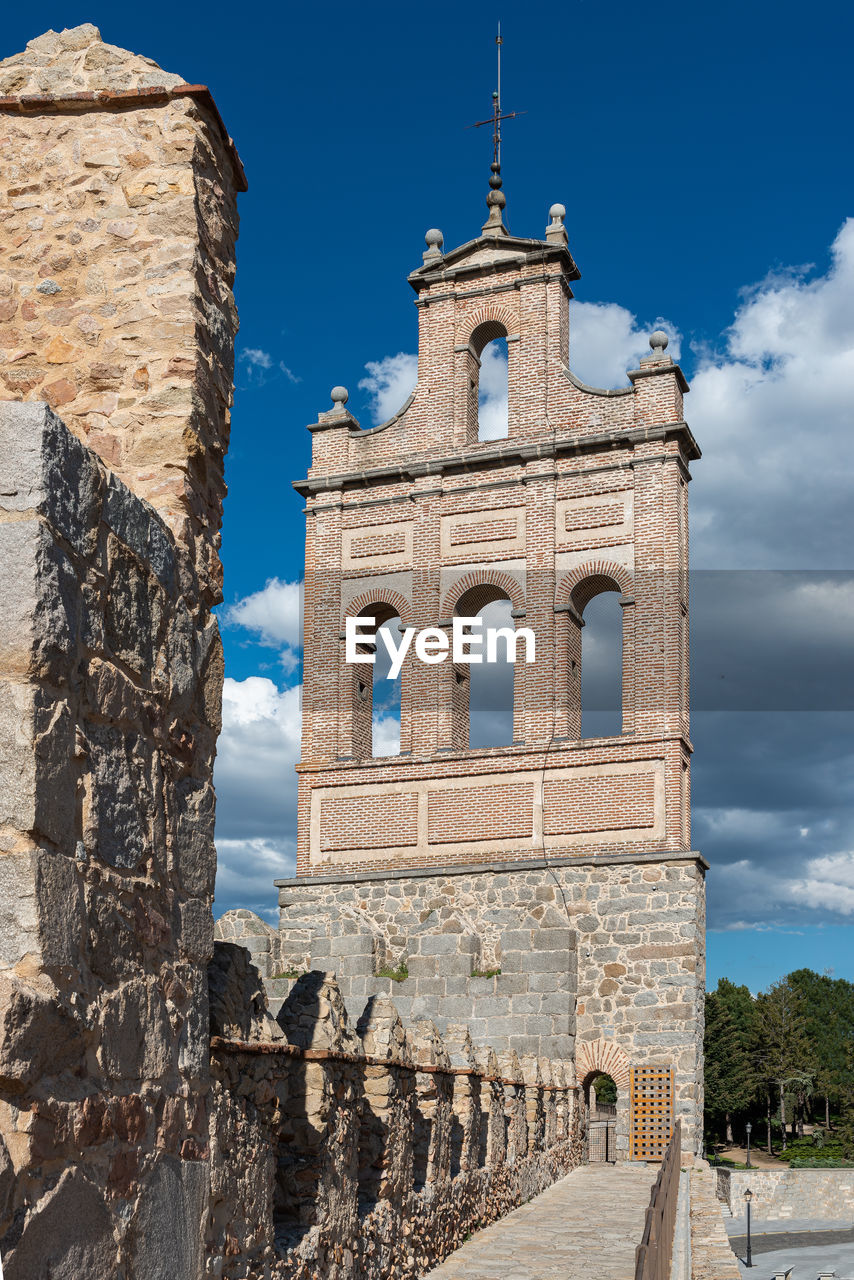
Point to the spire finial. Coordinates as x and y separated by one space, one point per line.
496 200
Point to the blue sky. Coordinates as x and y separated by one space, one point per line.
703 155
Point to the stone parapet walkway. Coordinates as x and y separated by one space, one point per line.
588 1224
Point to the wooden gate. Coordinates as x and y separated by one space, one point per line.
651 1103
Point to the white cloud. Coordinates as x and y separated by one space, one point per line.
246 870
389 383
386 735
255 358
274 614
605 340
256 787
773 417
258 747
259 364
827 884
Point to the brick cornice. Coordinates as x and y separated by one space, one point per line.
511 452
483 756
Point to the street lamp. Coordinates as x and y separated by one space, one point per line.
748 1196
749 1129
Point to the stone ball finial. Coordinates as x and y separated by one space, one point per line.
658 340
434 239
557 213
340 396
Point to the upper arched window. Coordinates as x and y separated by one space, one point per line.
488 411
602 667
592 640
483 692
376 696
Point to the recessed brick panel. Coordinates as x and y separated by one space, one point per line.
480 813
612 803
362 822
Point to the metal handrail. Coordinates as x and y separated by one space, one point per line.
655 1251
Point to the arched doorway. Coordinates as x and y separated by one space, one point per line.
600 1100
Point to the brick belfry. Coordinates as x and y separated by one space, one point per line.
544 893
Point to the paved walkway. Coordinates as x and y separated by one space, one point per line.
587 1225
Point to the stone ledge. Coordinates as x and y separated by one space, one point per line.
95 99
495 868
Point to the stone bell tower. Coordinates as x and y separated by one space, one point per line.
559 866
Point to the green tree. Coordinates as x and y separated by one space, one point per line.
829 1014
785 1056
730 1053
606 1090
846 1126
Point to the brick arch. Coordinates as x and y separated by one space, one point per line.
588 580
498 321
381 595
602 1056
483 578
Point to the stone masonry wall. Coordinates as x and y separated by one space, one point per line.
781 1194
601 961
118 224
110 686
365 1151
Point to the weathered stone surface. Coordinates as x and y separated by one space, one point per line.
135 1033
69 1236
167 1233
19 935
115 303
62 912
44 469
196 931
238 1002
314 1017
196 809
133 213
38 624
117 823
17 762
38 1036
135 608
7 1179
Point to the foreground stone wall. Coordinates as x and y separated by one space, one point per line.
600 960
110 687
712 1257
369 1150
779 1194
117 234
257 937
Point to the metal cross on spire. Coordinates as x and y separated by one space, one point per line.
496 199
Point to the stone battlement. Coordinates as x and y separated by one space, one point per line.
366 1150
